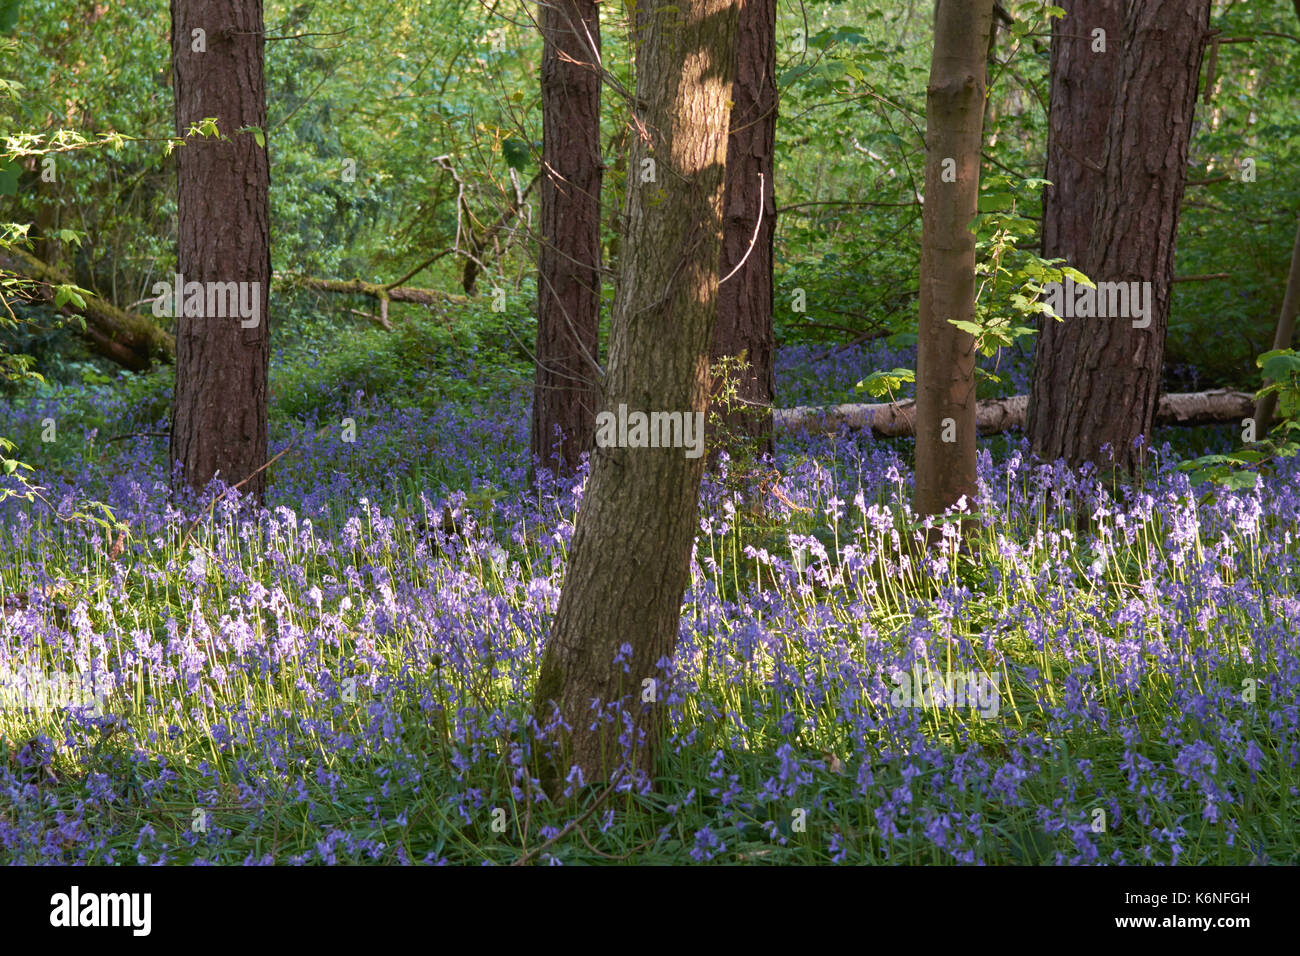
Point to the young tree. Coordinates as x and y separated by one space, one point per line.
1105 386
630 556
745 300
1083 73
1284 333
945 362
219 412
568 269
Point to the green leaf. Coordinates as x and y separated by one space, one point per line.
1078 277
880 384
68 293
516 153
1280 364
994 201
9 173
204 127
1238 480
8 15
1205 461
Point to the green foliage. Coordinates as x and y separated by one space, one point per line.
9 172
1240 468
1281 367
849 154
9 10
879 384
730 424
1012 277
424 358
517 153
362 97
1240 222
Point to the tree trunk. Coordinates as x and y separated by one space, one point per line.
630 557
1082 89
1112 381
219 415
1284 333
745 300
945 362
568 279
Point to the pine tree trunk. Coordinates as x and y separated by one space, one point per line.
630 556
1082 89
1113 378
568 280
745 301
219 418
945 363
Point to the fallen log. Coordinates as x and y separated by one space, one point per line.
373 289
136 342
131 340
381 293
896 419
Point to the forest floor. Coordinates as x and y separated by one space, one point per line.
1107 675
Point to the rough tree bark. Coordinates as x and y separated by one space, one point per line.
219 417
1082 89
630 556
568 280
1106 397
745 301
945 363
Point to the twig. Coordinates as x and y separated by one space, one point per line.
570 826
758 225
235 487
1202 278
137 435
